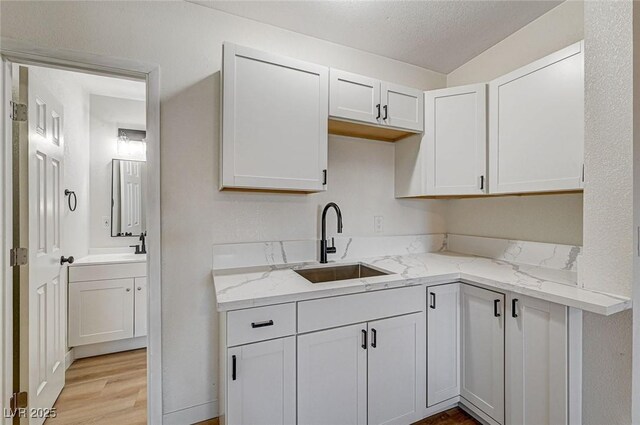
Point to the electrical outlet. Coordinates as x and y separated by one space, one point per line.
106 222
378 224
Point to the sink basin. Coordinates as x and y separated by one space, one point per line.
341 272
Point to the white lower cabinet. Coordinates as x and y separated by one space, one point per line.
262 383
536 362
332 376
443 343
369 373
482 343
100 311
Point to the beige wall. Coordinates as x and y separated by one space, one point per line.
186 41
544 218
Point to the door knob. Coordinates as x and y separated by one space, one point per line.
69 260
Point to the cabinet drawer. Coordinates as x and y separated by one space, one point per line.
338 311
106 271
260 323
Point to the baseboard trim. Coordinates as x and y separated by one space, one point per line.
477 414
191 415
69 358
90 350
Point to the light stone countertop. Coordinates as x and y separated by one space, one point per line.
264 285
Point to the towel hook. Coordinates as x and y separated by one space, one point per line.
71 193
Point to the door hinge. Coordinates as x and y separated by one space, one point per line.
19 401
18 111
18 257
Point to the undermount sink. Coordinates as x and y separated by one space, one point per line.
341 272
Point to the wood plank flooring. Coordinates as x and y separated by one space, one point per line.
110 389
455 416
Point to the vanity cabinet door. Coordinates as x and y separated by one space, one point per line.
456 140
354 97
100 311
262 383
274 122
396 366
536 125
140 308
332 376
443 343
402 107
482 331
536 362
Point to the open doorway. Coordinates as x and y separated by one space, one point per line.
80 208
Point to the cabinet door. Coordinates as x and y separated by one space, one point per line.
396 365
274 121
402 107
100 311
443 343
482 378
262 383
354 97
456 140
536 362
140 307
536 125
332 376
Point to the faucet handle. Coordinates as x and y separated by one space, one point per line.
332 249
333 242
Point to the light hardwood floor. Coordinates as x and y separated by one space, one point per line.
455 416
110 389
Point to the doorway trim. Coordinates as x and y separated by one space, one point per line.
19 52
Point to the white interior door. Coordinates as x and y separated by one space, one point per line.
396 367
536 362
443 343
332 376
46 307
131 193
262 383
482 379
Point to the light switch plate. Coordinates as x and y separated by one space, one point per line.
378 224
106 222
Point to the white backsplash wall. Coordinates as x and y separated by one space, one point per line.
107 115
542 218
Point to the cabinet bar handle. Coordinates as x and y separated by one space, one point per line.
233 368
324 177
481 182
262 324
374 338
378 108
496 308
433 300
364 339
386 112
514 307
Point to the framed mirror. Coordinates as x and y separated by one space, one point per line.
128 180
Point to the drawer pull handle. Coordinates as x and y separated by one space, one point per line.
262 324
233 368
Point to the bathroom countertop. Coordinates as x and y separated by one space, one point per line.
100 259
257 286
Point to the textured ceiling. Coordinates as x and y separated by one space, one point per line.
438 35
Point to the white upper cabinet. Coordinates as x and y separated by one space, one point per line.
274 122
536 125
536 362
366 100
354 97
402 107
456 140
